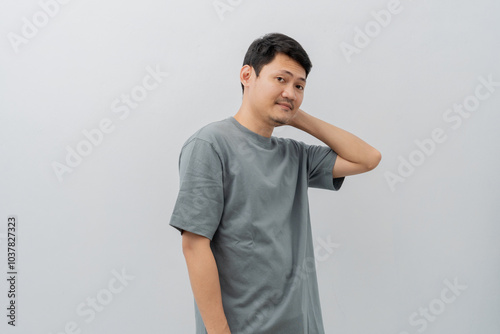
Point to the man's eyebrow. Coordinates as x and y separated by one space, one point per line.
291 74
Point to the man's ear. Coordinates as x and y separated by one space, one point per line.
246 75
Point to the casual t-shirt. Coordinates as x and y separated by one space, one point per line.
248 194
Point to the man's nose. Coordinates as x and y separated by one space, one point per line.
289 92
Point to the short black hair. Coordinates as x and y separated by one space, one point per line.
263 50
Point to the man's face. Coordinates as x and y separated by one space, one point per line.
277 93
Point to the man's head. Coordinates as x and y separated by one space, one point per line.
263 50
273 77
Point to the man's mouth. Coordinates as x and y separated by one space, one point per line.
285 105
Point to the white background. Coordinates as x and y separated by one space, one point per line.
395 247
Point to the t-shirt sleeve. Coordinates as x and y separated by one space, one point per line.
320 162
200 201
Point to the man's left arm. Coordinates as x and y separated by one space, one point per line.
354 156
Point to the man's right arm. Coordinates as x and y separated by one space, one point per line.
205 284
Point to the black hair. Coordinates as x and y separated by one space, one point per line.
263 50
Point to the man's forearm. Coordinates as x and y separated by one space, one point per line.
344 143
205 284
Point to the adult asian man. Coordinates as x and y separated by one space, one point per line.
242 206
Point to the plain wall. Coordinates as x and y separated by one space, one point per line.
389 243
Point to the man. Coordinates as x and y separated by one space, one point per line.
242 207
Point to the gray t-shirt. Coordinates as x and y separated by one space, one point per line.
248 194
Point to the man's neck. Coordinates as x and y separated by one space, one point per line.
246 118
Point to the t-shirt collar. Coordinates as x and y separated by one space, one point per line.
259 139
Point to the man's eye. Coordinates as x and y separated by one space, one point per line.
300 87
280 79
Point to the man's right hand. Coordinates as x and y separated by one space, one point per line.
205 284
